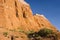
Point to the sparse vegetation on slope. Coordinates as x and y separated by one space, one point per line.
43 33
5 34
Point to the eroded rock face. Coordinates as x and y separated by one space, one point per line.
43 22
17 15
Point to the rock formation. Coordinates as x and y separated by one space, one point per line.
16 15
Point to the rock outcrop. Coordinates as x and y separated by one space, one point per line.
16 15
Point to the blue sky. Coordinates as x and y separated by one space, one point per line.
49 8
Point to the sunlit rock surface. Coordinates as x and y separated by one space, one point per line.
15 16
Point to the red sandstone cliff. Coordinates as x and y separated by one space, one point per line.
16 15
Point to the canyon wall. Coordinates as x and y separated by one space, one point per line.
17 14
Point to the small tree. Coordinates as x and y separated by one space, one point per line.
44 32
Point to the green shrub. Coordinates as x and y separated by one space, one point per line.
5 34
44 32
34 36
30 32
21 31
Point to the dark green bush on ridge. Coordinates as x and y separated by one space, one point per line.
44 32
33 35
47 33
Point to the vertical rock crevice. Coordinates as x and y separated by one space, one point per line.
16 9
4 1
24 15
12 38
17 13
